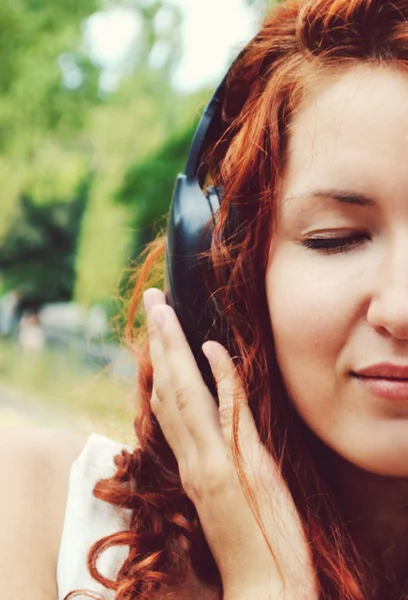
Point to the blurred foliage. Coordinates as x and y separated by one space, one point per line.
50 140
146 191
148 185
33 34
87 169
263 5
38 251
138 121
60 127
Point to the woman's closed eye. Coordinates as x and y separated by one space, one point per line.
335 244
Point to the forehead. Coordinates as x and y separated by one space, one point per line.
351 129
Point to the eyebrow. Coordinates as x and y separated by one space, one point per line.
344 197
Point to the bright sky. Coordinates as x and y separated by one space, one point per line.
213 31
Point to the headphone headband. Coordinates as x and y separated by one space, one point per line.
209 122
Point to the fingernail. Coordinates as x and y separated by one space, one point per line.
151 297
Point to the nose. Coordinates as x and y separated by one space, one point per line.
388 309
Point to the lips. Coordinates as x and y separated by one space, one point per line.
384 371
385 380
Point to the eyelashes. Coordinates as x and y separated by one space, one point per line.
334 245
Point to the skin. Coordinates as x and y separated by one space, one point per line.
333 313
199 434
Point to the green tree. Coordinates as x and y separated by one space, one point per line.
148 186
37 256
34 34
137 120
38 114
52 133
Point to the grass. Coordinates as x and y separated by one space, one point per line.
56 388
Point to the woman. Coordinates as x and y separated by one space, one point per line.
297 487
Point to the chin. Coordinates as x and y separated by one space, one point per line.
385 455
387 466
390 461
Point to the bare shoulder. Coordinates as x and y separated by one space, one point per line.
35 464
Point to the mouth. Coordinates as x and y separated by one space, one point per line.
384 371
389 388
381 377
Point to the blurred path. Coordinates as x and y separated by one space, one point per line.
18 409
15 409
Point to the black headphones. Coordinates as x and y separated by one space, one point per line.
189 234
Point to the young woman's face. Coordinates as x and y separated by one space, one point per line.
337 279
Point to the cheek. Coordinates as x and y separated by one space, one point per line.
311 316
306 316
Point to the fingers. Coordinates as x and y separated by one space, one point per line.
168 416
182 403
224 374
186 390
231 395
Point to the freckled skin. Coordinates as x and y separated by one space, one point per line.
337 312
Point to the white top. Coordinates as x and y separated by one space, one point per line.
88 519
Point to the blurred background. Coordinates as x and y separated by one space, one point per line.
99 101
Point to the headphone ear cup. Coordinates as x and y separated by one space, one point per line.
189 233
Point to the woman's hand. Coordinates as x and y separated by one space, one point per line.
200 435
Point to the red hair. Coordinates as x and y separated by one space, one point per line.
298 41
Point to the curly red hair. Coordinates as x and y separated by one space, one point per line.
298 41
